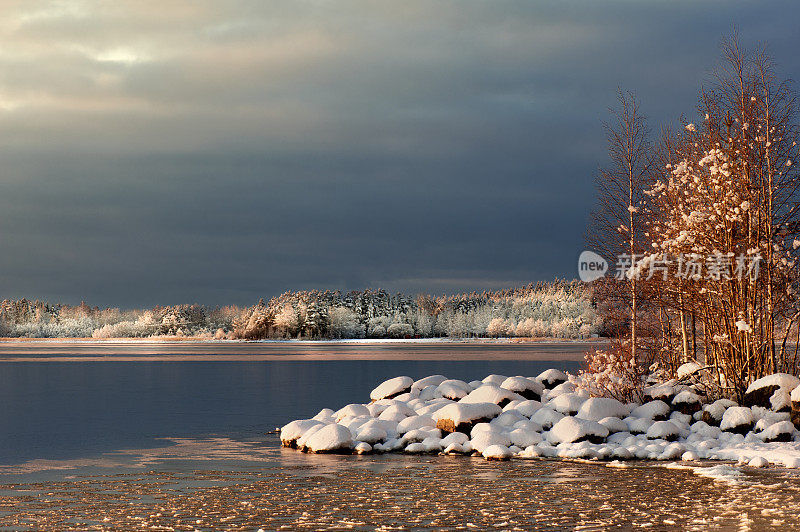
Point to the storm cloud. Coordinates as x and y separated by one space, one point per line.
218 152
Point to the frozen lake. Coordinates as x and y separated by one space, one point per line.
141 436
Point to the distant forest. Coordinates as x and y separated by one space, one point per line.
560 309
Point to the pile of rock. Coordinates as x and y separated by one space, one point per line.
503 417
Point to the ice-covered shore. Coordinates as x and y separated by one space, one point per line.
547 416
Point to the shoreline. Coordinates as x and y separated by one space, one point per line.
293 341
292 350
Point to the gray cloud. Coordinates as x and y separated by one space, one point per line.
220 152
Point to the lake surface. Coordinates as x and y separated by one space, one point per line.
62 401
135 437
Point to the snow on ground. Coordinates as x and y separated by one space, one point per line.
489 418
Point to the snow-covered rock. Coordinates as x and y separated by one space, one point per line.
333 438
490 393
453 389
551 378
737 419
371 432
496 452
664 391
688 369
486 439
391 388
597 408
663 430
781 401
528 408
546 417
362 448
494 379
397 412
571 429
460 417
292 431
415 422
524 438
527 388
656 410
455 437
687 402
614 424
760 391
351 410
781 431
567 404
432 380
712 414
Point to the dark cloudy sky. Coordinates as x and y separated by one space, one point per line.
218 152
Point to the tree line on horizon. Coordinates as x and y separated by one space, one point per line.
702 225
559 309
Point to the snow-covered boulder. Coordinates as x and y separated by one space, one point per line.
781 401
523 438
461 417
326 415
712 414
371 432
760 391
496 452
528 408
795 413
664 392
688 369
737 419
490 393
456 449
291 432
455 437
571 429
415 422
494 379
551 378
362 448
397 412
597 408
546 417
527 388
418 435
614 424
453 389
567 404
333 438
508 419
432 380
392 388
486 438
352 410
780 431
663 430
656 410
687 402
561 389
638 425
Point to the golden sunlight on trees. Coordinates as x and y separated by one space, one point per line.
717 263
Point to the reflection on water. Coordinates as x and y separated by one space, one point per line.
237 485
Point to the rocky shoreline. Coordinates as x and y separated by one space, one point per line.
550 416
